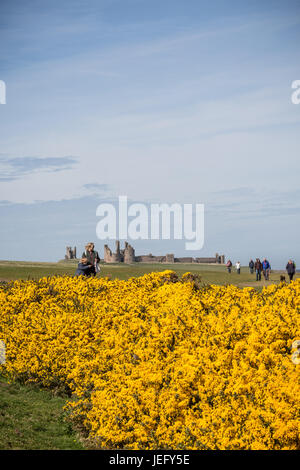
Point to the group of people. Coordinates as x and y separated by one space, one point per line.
262 267
89 265
237 265
89 262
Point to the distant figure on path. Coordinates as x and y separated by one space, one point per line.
229 266
238 267
258 269
251 266
266 268
83 268
291 269
92 257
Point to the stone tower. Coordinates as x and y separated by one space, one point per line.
107 254
116 257
70 253
170 258
220 258
129 253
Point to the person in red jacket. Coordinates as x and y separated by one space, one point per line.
229 265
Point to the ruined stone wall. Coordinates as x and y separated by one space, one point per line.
127 255
107 254
206 260
70 253
150 259
117 256
184 260
110 257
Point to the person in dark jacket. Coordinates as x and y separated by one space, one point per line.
258 269
291 269
251 266
266 268
92 257
83 268
229 266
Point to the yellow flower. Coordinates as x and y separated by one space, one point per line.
159 362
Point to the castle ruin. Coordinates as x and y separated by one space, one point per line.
120 256
70 253
127 255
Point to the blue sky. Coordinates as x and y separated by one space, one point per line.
173 101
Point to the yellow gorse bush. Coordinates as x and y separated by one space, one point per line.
158 362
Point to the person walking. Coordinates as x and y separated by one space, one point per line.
93 257
229 266
251 266
291 269
238 267
266 269
258 269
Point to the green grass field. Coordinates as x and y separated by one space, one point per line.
215 274
33 419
